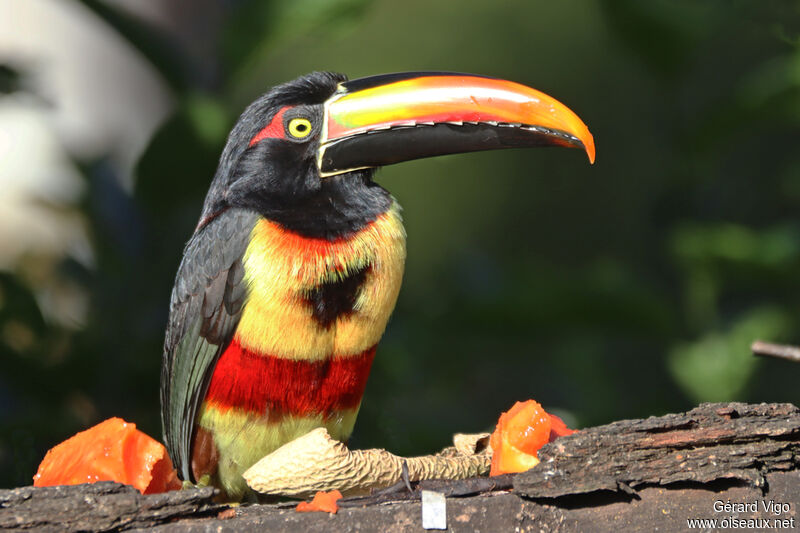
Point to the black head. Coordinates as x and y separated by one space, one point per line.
269 165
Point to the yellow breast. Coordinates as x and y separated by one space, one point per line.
283 268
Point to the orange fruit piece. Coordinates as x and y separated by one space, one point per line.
520 433
323 501
113 450
558 428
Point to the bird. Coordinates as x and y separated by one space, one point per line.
293 270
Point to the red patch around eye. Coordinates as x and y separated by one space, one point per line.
273 130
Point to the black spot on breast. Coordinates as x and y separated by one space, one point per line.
334 299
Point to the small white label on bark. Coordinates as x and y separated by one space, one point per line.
434 510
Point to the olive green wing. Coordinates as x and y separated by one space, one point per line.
206 305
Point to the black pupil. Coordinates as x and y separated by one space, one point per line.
301 127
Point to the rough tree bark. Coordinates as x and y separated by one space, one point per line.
632 475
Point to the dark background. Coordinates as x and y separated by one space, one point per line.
625 289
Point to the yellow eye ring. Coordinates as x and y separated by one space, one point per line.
299 128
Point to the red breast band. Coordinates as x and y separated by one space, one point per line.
278 386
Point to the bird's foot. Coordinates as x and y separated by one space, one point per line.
203 481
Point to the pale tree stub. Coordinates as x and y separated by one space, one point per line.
317 462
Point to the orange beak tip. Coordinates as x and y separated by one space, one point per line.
590 149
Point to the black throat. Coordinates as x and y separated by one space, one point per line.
341 206
284 186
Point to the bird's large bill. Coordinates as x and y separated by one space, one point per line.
391 118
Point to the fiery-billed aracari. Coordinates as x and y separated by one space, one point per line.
291 274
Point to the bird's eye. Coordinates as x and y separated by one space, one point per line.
299 127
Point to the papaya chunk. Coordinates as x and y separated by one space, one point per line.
520 433
113 450
322 502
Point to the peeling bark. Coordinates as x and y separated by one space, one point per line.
103 506
734 441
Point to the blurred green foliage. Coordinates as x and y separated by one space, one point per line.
630 288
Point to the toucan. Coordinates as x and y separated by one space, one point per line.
289 279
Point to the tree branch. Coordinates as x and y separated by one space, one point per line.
779 351
632 475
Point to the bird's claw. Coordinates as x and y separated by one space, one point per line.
203 481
